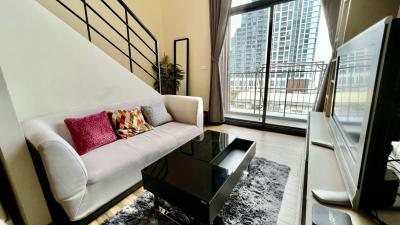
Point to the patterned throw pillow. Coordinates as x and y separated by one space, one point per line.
128 123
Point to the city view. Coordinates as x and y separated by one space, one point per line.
295 66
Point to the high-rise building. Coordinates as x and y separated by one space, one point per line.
294 37
249 43
293 75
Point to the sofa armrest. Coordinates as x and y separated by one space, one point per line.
66 173
185 109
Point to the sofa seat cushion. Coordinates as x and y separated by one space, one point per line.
126 155
135 153
181 131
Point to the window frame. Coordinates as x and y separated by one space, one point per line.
253 6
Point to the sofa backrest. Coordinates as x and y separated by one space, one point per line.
55 123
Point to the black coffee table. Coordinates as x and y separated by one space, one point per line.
199 176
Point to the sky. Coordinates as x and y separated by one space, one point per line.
235 20
323 48
239 2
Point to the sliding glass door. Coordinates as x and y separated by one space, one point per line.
274 64
247 60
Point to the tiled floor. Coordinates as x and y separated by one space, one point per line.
285 149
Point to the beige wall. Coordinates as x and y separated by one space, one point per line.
190 18
363 14
51 68
354 17
358 15
48 68
167 20
149 12
17 162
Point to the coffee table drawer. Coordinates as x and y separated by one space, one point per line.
199 176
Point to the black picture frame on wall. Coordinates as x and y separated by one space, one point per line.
177 42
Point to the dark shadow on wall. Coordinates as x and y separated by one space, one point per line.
7 197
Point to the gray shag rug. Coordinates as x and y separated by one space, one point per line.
256 200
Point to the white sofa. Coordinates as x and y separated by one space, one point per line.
83 184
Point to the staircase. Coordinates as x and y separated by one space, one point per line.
113 27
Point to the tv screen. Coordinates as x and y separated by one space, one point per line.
354 89
357 71
364 119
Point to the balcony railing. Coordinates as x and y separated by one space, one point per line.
292 90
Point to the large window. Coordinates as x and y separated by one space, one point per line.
275 60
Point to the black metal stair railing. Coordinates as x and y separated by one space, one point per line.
128 14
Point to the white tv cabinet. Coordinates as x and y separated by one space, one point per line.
322 172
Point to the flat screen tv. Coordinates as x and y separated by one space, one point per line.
365 113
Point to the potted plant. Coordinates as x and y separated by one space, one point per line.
171 76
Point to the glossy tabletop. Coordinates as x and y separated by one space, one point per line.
194 167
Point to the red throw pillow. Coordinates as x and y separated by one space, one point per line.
90 132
